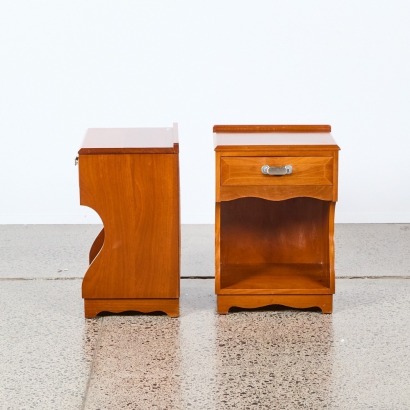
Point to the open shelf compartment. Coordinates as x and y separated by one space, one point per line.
274 279
275 247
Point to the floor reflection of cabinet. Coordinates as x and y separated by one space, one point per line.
276 188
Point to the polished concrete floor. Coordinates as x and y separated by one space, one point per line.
53 358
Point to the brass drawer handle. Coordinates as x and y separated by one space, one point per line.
285 170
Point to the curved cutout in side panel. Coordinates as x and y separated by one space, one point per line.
96 246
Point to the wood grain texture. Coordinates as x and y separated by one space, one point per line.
329 232
92 307
217 247
274 235
130 141
137 198
247 171
265 141
304 301
96 246
276 193
274 278
270 128
238 173
270 146
255 231
106 151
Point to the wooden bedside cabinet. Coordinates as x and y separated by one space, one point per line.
276 189
130 177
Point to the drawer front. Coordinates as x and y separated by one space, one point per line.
248 171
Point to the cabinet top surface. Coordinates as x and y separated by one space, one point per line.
254 136
112 140
270 139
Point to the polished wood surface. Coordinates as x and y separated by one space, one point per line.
274 278
323 302
130 141
274 234
247 171
92 307
276 193
257 231
135 260
96 246
241 177
318 179
251 142
270 128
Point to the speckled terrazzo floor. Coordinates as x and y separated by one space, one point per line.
52 358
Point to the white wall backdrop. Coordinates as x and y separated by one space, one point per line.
69 65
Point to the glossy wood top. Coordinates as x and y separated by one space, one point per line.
130 140
265 136
271 128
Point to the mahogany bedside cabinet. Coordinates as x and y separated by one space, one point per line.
130 177
276 189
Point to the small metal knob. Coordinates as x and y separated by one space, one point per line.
268 170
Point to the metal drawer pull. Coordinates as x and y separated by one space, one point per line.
285 170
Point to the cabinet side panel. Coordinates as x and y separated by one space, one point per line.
137 199
331 246
335 175
217 177
217 247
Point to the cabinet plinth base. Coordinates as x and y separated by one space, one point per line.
324 302
92 307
